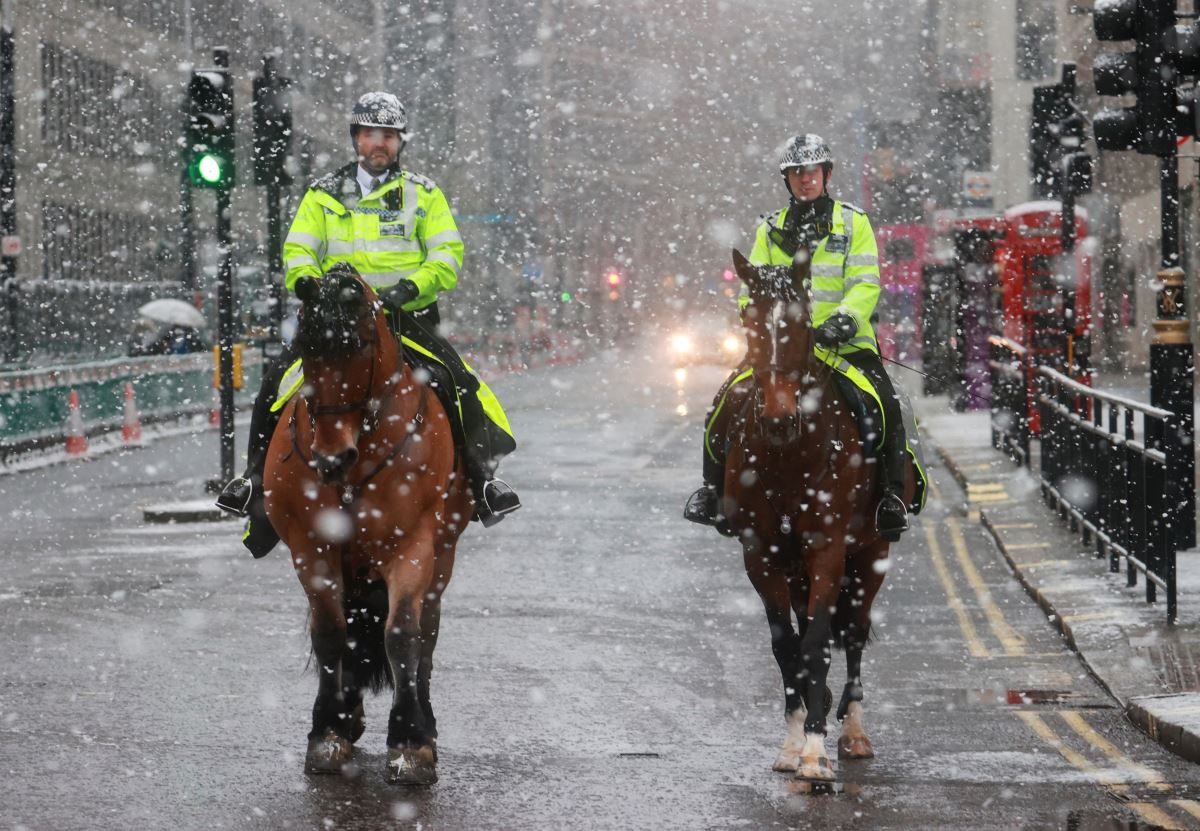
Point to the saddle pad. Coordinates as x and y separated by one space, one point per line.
418 356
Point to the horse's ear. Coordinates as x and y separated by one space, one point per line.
350 291
307 289
742 266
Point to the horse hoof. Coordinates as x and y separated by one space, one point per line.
358 723
855 747
328 754
814 769
787 761
412 766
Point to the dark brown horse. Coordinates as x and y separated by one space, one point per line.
801 496
365 488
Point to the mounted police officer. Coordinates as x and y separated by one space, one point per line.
396 229
845 289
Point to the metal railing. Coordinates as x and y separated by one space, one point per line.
1110 478
1008 363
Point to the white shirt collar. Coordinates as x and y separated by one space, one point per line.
365 179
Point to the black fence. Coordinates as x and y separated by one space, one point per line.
1008 363
1110 477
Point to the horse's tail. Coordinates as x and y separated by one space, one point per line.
366 617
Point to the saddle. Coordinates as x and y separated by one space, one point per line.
440 380
863 400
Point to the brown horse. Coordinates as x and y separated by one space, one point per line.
800 493
365 488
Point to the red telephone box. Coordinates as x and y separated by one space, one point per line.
1046 292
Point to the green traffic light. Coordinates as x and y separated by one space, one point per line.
209 168
565 297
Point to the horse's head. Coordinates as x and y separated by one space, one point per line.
778 326
340 341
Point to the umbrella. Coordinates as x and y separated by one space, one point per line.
173 312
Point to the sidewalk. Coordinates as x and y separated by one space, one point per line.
1151 668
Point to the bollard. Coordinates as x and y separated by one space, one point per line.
131 427
77 443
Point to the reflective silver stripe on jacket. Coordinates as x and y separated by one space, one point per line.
308 241
826 296
299 260
381 279
862 259
408 213
386 245
340 248
438 240
872 279
444 257
826 271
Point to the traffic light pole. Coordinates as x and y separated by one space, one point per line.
8 190
275 260
225 331
1172 363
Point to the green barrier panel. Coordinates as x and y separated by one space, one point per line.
35 404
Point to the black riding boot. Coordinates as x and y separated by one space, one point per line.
704 506
493 497
244 495
891 515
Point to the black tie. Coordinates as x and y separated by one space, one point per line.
375 183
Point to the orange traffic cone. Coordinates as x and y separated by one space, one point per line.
214 415
131 428
77 443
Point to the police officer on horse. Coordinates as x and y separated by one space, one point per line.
845 290
396 229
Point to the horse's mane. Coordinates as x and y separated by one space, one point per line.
330 324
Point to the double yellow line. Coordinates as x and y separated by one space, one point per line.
1119 773
1122 772
1011 642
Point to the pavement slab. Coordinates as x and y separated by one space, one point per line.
1150 667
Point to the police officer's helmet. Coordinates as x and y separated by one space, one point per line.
805 150
379 109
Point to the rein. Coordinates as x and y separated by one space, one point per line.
350 490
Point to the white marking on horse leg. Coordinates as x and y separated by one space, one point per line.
788 758
814 761
854 742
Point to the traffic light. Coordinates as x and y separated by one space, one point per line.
209 144
1076 166
1149 72
272 126
613 279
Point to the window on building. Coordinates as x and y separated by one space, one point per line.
1036 39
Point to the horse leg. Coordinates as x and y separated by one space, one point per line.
771 583
859 595
412 758
329 742
825 569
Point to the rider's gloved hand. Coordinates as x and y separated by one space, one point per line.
404 291
837 330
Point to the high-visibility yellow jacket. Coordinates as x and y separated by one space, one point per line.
402 229
845 270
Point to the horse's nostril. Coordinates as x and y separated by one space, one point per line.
337 465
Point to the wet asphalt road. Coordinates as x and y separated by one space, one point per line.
601 664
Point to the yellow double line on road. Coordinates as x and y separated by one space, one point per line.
1120 776
1012 643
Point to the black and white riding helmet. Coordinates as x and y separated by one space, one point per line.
380 109
805 150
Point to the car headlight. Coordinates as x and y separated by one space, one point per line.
731 343
681 344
